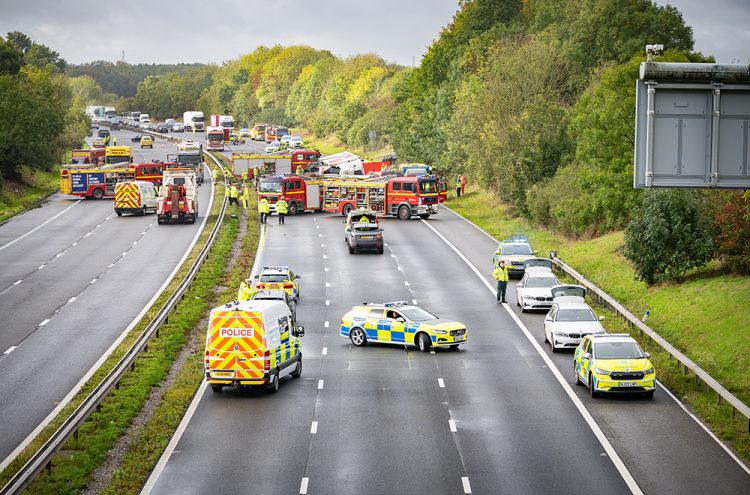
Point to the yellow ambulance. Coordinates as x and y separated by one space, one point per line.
252 343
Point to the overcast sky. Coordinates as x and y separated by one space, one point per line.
213 31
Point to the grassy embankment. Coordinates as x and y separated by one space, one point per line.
80 456
16 196
332 144
705 316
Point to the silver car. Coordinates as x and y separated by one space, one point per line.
534 291
570 318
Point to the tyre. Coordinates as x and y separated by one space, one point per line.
552 344
97 193
575 372
380 250
159 220
358 337
298 369
217 388
454 347
351 250
347 209
592 389
193 217
546 340
293 208
119 213
423 342
143 211
404 213
273 387
424 216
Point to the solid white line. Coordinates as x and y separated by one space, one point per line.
465 483
44 322
17 282
710 433
93 281
37 227
441 383
41 266
325 324
10 349
324 351
452 425
320 384
314 428
619 465
71 299
303 486
111 349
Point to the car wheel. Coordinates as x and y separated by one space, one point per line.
358 337
380 250
217 388
552 343
351 250
454 347
592 389
274 386
577 379
119 213
97 193
546 340
298 369
143 211
423 342
404 213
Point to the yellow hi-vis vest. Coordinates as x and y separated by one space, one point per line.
263 206
501 274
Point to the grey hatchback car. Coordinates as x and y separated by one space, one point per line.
364 236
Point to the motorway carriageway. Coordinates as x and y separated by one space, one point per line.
73 278
500 416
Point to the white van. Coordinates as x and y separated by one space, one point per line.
144 118
252 343
135 196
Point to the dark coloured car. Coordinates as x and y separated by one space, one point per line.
364 237
162 128
103 133
136 138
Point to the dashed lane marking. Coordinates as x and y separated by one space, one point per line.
465 483
314 428
328 303
10 349
72 299
44 322
452 425
324 351
303 486
17 282
441 383
320 384
326 324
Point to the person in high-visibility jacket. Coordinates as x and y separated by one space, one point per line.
299 170
246 291
282 208
245 195
234 195
114 140
458 186
244 175
215 175
263 209
502 277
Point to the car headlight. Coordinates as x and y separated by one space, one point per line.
600 371
649 371
440 332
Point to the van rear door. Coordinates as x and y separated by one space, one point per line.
235 345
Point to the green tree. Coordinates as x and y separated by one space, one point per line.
11 58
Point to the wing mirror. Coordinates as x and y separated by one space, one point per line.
647 354
601 318
297 277
299 331
400 320
548 318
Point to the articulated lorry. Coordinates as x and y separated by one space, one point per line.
194 121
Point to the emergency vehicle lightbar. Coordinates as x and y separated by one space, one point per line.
395 303
276 268
517 238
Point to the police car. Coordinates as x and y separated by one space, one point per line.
614 363
401 323
514 252
279 277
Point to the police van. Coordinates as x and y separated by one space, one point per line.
252 344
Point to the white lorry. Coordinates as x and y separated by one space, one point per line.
190 155
194 121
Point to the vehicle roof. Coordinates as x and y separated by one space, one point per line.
539 271
276 269
612 337
362 212
571 305
271 294
387 305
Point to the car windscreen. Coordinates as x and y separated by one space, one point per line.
274 278
417 314
516 249
428 186
541 282
576 314
189 159
117 159
617 350
269 187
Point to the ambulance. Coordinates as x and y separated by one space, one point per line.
252 344
138 197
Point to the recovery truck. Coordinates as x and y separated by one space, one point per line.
190 155
178 197
263 165
215 139
402 197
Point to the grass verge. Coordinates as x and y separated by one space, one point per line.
700 316
36 185
78 458
156 433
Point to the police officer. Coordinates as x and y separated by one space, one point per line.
114 140
215 175
263 209
244 175
282 208
245 195
299 170
246 291
502 277
458 186
234 194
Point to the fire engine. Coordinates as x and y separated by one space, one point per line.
302 193
87 157
304 158
93 182
262 165
215 139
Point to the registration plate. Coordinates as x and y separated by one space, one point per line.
222 374
459 338
366 237
628 384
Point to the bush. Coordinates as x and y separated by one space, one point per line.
733 232
670 233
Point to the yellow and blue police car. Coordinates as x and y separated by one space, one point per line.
614 363
279 277
401 323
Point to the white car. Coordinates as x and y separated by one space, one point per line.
178 127
273 146
296 142
534 291
285 139
570 318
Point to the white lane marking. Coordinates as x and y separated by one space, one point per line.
619 465
320 384
399 268
452 425
44 322
314 428
37 227
328 284
325 269
17 282
303 486
317 226
87 234
326 324
41 266
441 383
71 299
322 245
328 303
124 253
325 256
324 351
465 483
110 266
93 281
135 242
432 351
58 255
98 226
406 283
10 349
74 244
710 433
320 235
143 233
